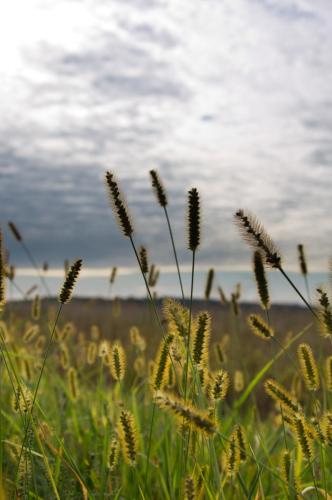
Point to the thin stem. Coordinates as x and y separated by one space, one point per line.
33 262
174 251
149 443
47 350
298 292
189 326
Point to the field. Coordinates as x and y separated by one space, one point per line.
164 398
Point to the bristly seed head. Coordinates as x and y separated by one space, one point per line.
259 327
15 231
256 236
143 257
68 286
158 188
261 281
282 396
209 283
302 260
308 366
128 437
325 314
119 205
194 229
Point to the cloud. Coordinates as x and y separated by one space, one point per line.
232 96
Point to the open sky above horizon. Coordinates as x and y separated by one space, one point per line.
230 96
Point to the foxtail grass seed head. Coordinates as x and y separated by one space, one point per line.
282 396
15 231
153 276
288 474
235 304
113 454
177 316
223 299
118 362
68 286
128 437
35 308
308 367
255 235
259 327
302 260
2 274
325 313
162 363
189 489
238 381
113 274
194 222
119 206
232 457
304 438
261 280
143 257
219 385
198 419
220 353
64 357
91 353
73 384
328 373
200 344
31 333
241 442
209 283
158 188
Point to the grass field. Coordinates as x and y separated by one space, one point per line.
169 399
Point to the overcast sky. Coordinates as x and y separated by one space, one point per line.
231 96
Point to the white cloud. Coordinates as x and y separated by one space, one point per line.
233 96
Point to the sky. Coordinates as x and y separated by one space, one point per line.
230 96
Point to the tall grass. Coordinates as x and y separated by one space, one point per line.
171 408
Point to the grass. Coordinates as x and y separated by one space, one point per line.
115 403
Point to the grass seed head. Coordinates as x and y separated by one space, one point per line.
194 222
325 313
128 437
158 188
209 283
304 438
261 280
118 362
282 396
185 412
255 235
162 363
308 367
143 257
68 286
17 235
302 260
328 373
200 344
259 327
119 206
